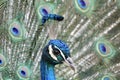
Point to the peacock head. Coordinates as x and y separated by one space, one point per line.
57 52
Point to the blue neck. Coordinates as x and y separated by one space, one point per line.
47 71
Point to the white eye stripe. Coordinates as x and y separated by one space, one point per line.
51 53
61 52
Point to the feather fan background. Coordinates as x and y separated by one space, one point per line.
92 33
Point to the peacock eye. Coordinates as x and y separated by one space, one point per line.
107 77
2 62
85 7
104 48
44 9
23 72
56 51
16 31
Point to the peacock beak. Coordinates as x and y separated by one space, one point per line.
70 63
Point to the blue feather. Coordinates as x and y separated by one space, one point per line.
47 71
55 17
52 17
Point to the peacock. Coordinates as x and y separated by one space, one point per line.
39 39
54 53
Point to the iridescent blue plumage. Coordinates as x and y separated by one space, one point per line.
0 61
82 4
51 17
47 70
106 78
23 73
48 62
15 31
43 11
102 48
62 46
55 17
44 19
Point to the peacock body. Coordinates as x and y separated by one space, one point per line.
37 36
